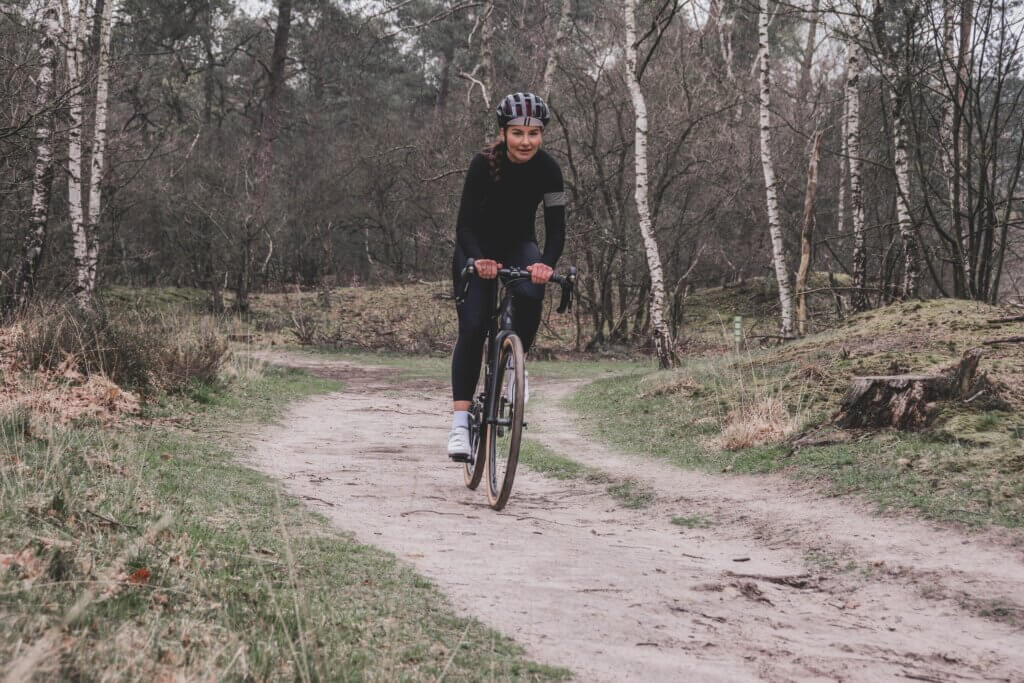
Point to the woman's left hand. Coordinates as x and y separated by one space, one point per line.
540 273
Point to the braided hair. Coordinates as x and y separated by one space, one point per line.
497 156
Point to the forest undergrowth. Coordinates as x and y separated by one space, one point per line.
770 410
135 546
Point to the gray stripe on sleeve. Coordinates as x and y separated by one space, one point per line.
554 199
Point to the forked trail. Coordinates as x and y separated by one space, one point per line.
784 585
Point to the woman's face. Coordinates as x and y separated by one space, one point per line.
522 142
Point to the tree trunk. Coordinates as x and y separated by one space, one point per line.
266 136
859 300
844 173
767 164
42 175
951 152
909 401
552 63
897 80
99 142
804 85
75 27
662 338
960 159
911 267
806 233
487 66
444 84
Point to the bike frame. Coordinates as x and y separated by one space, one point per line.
500 327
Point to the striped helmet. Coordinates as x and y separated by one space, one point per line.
523 109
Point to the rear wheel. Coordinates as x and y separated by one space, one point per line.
504 435
473 471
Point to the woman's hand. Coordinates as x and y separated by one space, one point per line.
487 268
540 273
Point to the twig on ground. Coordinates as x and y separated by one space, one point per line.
112 522
794 581
319 500
1004 340
431 512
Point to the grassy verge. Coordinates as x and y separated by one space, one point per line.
966 467
243 583
437 368
629 492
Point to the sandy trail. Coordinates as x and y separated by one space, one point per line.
617 594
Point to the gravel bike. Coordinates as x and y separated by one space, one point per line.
496 414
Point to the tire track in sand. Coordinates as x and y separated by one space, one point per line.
617 594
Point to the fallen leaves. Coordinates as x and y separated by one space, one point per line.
139 576
63 394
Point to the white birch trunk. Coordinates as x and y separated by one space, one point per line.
901 163
42 175
950 143
908 288
75 31
859 298
662 338
552 63
487 62
843 173
99 143
771 189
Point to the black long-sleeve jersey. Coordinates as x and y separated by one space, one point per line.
495 216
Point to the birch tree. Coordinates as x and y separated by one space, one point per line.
75 31
99 142
768 166
662 338
552 62
859 299
42 175
898 87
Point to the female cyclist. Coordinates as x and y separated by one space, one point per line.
504 185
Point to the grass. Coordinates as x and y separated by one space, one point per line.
967 467
244 583
633 494
629 492
692 521
543 460
437 368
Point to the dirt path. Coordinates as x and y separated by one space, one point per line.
785 585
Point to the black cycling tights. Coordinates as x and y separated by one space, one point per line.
475 314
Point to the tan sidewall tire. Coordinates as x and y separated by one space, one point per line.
497 499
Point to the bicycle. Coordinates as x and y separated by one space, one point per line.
496 414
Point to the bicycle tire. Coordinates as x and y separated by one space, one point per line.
503 439
473 472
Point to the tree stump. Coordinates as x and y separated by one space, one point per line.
908 401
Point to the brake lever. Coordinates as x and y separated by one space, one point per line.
566 303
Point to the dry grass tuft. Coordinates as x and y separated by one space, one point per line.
672 383
764 422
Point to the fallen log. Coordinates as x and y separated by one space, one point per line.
908 402
1008 319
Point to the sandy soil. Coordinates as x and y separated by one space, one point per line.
785 585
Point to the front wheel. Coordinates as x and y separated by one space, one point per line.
505 429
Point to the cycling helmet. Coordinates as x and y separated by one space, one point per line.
523 109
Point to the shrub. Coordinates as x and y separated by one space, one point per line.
138 350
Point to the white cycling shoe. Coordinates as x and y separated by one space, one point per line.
512 387
458 444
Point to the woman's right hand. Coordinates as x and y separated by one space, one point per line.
487 268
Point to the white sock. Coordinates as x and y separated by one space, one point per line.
460 418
